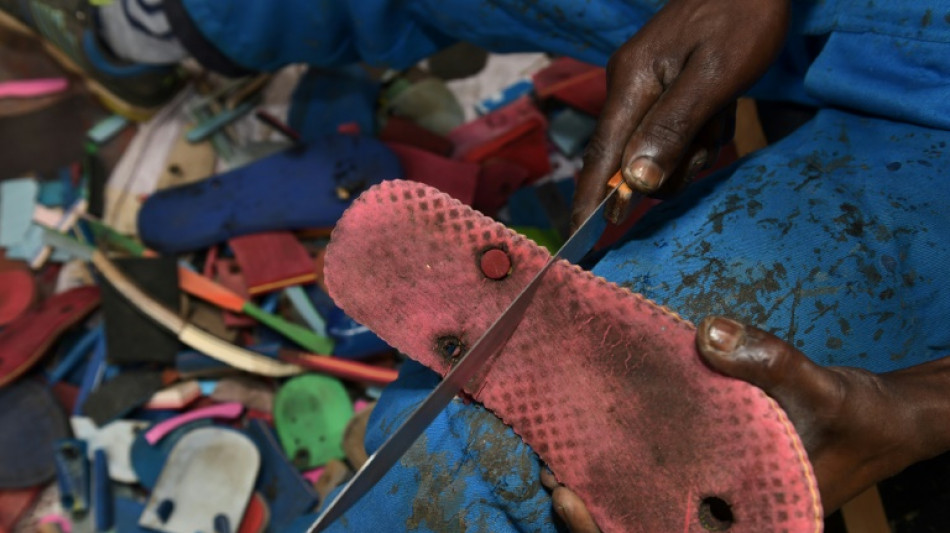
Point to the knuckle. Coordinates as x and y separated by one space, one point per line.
628 63
597 150
666 69
668 132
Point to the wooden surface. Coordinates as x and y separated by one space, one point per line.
865 513
749 135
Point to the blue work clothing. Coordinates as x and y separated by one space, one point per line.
834 238
884 58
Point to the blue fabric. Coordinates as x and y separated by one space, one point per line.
906 79
327 98
295 188
884 58
106 66
852 272
468 472
869 54
351 340
268 35
835 238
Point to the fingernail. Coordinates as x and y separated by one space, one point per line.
644 173
699 160
724 334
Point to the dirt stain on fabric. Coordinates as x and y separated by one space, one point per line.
444 503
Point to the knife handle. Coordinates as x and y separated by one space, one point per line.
622 204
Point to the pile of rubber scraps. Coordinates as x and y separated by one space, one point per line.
193 374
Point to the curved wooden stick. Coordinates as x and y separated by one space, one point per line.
190 334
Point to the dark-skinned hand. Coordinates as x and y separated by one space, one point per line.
857 427
671 92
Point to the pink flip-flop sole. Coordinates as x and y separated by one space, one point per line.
606 386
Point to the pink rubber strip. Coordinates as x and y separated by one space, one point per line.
225 410
64 524
312 475
32 88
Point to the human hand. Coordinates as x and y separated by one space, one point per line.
671 93
568 506
857 427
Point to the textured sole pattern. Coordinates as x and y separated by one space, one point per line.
606 386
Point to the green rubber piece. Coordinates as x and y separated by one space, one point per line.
301 335
544 237
110 235
305 337
310 414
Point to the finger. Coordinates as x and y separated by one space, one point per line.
719 135
573 512
701 155
623 202
661 141
629 97
764 360
548 480
696 159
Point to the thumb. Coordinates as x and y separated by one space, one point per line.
764 360
572 511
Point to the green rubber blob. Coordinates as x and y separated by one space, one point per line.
310 414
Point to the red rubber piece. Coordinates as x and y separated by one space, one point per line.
17 292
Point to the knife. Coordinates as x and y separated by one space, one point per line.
616 204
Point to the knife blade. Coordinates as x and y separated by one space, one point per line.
494 338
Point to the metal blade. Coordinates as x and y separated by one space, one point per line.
490 342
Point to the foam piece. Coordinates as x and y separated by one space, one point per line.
209 473
606 386
120 395
17 293
296 188
257 516
116 438
14 504
225 410
25 340
404 131
32 88
132 337
287 493
148 460
580 85
514 133
17 200
30 425
272 260
458 179
227 272
310 414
